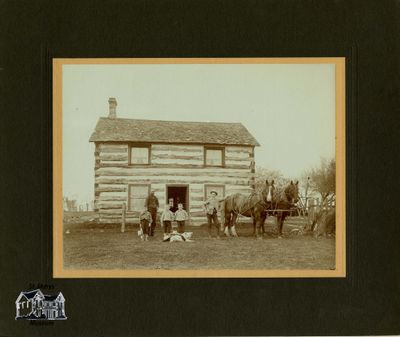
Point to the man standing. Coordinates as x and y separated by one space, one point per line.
152 205
211 206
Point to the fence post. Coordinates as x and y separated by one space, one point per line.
123 217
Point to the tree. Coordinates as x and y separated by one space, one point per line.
263 174
322 179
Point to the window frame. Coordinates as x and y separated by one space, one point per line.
138 145
130 186
221 148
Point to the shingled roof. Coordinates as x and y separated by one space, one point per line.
155 131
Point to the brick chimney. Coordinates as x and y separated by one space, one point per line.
112 102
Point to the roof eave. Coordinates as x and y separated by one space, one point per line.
96 140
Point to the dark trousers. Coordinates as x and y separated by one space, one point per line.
181 226
213 218
145 226
167 226
153 212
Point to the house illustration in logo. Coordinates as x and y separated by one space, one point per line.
34 304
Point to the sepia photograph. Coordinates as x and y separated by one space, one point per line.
199 167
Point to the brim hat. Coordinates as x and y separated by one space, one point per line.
214 192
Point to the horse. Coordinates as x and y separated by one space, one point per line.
283 201
255 206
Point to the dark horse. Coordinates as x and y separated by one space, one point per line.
255 205
284 200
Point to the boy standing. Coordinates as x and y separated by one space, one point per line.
181 216
211 207
166 218
145 224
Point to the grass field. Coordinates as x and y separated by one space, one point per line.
105 247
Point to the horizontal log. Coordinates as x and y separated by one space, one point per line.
196 196
114 194
198 214
239 189
244 149
111 189
155 157
196 208
131 213
114 156
110 204
244 192
163 147
237 166
112 162
157 190
105 164
186 152
102 146
244 161
103 211
240 161
113 198
112 185
114 150
168 161
237 155
196 205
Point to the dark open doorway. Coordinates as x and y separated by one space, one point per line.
178 194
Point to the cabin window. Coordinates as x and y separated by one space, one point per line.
139 155
137 196
220 189
214 156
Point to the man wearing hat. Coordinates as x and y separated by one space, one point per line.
211 207
152 206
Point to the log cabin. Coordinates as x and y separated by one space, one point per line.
180 161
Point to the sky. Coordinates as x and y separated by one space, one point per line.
288 108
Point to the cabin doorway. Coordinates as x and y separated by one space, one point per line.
178 194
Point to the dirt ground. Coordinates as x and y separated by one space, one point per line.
89 246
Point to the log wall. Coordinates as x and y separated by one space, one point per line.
169 164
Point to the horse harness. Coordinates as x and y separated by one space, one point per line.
261 201
266 205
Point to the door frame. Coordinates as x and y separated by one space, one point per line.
187 194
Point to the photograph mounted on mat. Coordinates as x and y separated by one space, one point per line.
199 167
